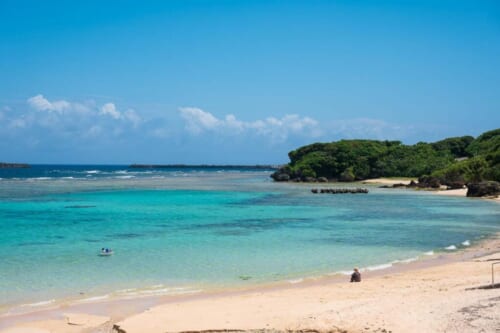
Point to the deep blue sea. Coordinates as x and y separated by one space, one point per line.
186 230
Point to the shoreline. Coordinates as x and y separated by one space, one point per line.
423 259
103 314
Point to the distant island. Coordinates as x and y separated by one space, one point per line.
4 165
453 162
204 166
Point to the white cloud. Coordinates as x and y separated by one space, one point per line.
279 129
110 110
21 122
198 120
93 131
133 117
40 103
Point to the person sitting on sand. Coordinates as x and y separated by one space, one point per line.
356 276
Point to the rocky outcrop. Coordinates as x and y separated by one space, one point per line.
483 189
339 190
428 182
280 176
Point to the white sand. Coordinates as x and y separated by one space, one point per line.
389 181
427 300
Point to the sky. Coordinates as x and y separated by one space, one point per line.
240 82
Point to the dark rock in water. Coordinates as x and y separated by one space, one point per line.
245 277
455 185
322 180
399 185
482 189
309 179
340 190
280 176
412 184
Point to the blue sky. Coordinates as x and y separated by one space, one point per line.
230 82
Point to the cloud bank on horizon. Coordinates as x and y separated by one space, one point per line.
66 125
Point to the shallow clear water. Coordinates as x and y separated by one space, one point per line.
192 229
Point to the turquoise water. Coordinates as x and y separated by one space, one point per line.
182 231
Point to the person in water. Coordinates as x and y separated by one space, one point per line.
356 276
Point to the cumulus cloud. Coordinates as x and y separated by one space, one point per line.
40 103
198 121
53 120
109 109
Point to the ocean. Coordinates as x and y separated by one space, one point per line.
184 230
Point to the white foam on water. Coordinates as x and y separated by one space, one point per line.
126 290
294 281
191 291
92 299
42 303
92 171
124 177
157 286
466 243
429 253
131 293
450 248
405 261
378 267
154 291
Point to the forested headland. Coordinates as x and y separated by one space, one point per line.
453 161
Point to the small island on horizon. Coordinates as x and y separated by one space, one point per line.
5 165
205 166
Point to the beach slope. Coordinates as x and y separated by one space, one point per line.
435 299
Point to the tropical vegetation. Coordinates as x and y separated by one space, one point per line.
452 161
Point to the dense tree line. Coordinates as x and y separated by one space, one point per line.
452 161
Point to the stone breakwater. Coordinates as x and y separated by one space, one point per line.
339 190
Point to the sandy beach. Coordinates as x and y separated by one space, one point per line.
389 181
436 294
